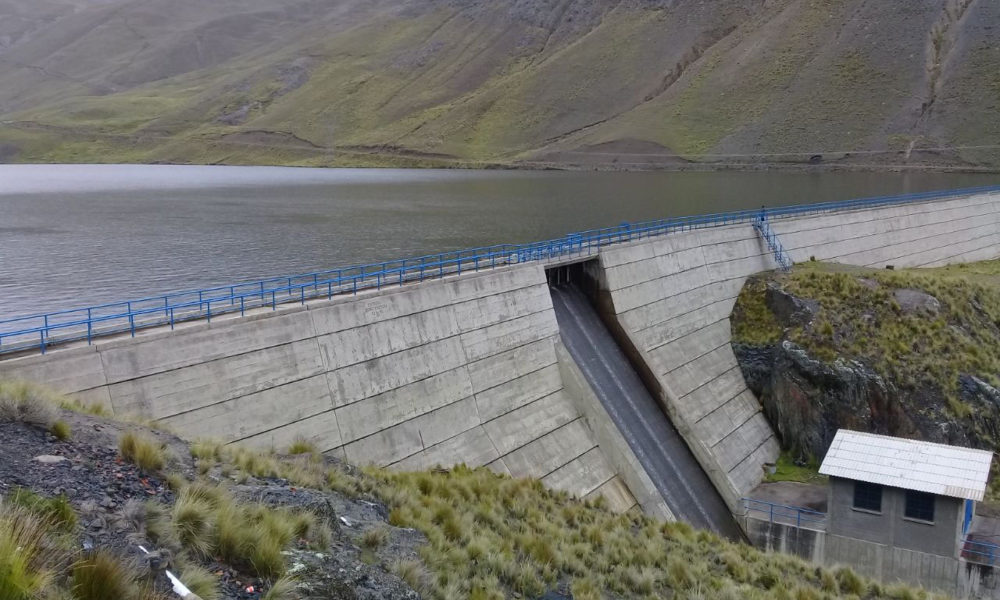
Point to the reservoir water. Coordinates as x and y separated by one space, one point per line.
74 235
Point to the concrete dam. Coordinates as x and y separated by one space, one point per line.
599 363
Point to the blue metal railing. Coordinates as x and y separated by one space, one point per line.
784 514
42 330
984 553
777 250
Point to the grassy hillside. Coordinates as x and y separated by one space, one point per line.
299 525
421 82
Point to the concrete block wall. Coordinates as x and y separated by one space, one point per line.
672 296
927 234
458 370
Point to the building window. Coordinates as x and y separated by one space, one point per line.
919 505
867 496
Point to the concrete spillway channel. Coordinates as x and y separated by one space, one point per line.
660 449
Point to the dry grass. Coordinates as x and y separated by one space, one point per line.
200 581
302 446
488 532
27 403
374 538
207 521
145 453
60 430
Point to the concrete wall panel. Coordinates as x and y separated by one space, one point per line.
550 451
233 420
677 316
582 475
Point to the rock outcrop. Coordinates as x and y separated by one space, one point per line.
816 372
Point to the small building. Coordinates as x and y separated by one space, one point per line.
900 493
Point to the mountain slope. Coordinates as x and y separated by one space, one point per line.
627 83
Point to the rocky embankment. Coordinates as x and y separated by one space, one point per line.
909 353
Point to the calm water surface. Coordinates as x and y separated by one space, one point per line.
73 235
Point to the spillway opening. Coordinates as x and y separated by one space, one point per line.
582 275
623 383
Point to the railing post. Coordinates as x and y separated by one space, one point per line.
242 307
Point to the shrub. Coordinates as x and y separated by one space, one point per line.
144 453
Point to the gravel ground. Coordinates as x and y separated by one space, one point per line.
89 471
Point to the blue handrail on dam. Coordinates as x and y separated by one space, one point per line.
42 330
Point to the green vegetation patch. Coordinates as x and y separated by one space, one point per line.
491 536
787 470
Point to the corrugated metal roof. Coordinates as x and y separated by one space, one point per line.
908 464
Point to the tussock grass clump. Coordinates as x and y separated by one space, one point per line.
206 520
84 408
200 581
101 576
208 450
374 538
302 446
26 565
412 572
56 512
27 403
148 455
60 430
282 589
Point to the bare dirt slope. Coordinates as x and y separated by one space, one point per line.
629 83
